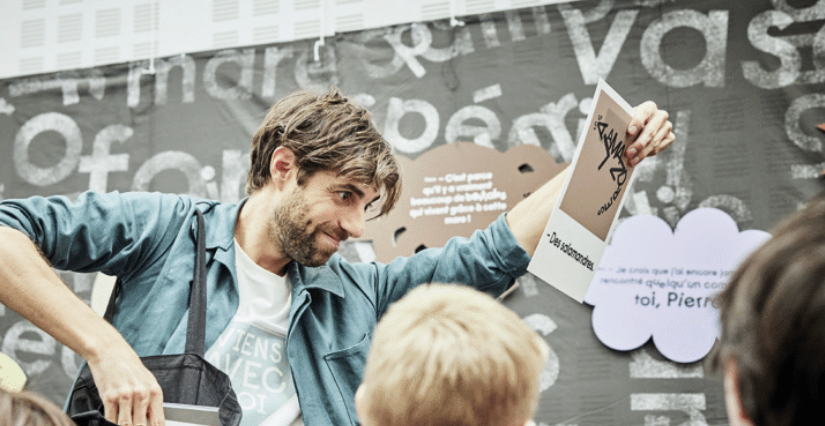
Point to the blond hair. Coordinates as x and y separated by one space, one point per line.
326 131
29 409
450 355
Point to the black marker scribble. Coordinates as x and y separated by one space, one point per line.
614 149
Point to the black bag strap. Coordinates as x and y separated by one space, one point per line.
196 330
196 327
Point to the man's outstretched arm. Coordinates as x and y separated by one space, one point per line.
30 287
529 217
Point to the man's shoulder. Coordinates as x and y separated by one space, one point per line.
180 203
132 197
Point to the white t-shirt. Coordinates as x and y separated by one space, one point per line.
252 348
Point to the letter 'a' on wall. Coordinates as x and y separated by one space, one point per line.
710 71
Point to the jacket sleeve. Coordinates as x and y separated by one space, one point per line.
490 260
114 233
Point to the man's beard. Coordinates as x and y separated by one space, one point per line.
289 227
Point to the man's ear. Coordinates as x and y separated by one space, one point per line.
733 399
282 164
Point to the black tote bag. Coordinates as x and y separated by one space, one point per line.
186 378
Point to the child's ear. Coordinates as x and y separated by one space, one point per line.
360 409
733 399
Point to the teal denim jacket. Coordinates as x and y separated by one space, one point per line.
147 239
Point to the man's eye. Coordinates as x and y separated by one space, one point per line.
345 195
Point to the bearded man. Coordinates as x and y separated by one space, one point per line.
319 170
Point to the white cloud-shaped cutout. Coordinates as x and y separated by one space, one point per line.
654 282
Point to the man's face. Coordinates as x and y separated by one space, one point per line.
314 218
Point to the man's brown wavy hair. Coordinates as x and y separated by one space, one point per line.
327 132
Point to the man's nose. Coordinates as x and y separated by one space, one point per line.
354 223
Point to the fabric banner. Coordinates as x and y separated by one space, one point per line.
742 82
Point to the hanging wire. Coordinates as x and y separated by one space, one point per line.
320 41
453 12
152 36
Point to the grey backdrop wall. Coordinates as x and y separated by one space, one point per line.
742 81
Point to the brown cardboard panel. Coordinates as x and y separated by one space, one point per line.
453 190
597 183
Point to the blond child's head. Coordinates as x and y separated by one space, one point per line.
25 408
450 355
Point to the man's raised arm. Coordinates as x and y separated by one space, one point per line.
529 217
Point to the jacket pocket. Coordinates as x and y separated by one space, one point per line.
347 368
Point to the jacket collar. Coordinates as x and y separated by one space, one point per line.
220 220
322 277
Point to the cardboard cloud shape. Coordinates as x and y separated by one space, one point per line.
656 283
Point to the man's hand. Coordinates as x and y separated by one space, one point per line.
653 131
130 393
653 134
